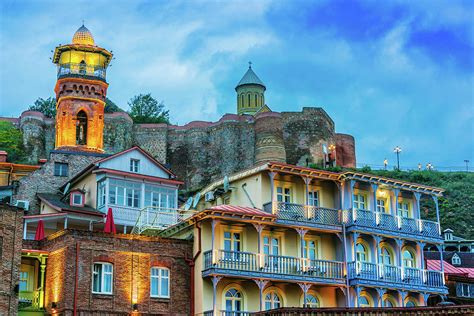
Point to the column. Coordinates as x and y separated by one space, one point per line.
272 191
399 243
377 241
402 295
260 255
302 233
261 286
351 200
213 241
426 296
421 245
354 243
435 199
374 188
307 181
340 187
25 229
42 270
381 293
441 260
305 288
358 290
215 281
417 211
394 201
65 222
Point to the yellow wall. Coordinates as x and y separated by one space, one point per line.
74 56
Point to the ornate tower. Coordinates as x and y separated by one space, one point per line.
250 93
80 93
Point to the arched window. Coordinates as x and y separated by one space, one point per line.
361 253
81 128
256 102
248 100
389 301
312 301
272 300
233 300
410 302
364 300
242 100
82 67
386 256
408 259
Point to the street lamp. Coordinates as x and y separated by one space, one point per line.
467 165
398 150
429 166
385 164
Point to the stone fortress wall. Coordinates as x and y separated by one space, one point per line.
200 151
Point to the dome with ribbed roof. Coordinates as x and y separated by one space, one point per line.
250 78
83 36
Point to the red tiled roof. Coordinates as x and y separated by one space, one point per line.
469 271
242 210
448 268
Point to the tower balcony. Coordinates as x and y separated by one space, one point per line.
81 70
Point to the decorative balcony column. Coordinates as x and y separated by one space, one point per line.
417 196
377 241
380 293
305 288
302 232
421 246
355 236
426 296
399 243
307 181
261 286
340 187
358 289
394 204
213 241
260 259
215 281
351 196
402 295
272 190
42 271
441 259
435 199
374 188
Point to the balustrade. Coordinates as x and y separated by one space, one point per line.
306 213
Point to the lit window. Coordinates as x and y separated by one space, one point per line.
272 300
313 198
61 169
160 282
403 209
102 276
381 206
77 199
359 202
283 194
233 301
134 165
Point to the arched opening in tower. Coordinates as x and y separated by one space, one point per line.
81 128
82 67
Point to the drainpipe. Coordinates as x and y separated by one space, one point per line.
345 263
191 263
247 194
76 279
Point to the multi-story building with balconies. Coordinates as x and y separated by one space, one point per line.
279 235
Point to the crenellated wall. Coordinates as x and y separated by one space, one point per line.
201 151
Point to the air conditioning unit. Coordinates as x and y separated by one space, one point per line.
22 204
209 196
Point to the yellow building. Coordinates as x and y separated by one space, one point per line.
279 235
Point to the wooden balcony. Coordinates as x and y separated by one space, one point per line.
313 216
388 224
252 265
227 313
371 274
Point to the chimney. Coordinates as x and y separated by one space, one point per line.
3 156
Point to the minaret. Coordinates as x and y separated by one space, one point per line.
80 93
250 93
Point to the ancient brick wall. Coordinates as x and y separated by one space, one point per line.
11 234
345 151
43 180
118 132
152 138
132 258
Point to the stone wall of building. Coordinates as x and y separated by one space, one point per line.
43 180
199 152
11 234
72 254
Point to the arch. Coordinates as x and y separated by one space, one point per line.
410 302
82 67
235 295
313 300
81 128
451 248
389 301
74 87
362 251
248 95
387 255
242 104
273 298
465 249
409 257
365 299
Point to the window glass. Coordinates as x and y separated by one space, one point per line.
283 194
61 169
312 301
410 303
271 245
160 282
134 165
361 253
124 193
102 278
364 301
23 281
359 202
233 301
408 259
310 247
272 300
313 198
101 194
160 197
232 241
381 206
77 199
403 209
386 256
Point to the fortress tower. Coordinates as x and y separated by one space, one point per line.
80 93
250 93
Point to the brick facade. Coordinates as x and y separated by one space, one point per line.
132 257
10 257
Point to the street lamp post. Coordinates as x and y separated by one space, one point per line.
398 150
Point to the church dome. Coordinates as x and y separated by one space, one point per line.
83 36
250 78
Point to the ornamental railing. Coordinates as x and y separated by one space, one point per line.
227 313
81 70
273 264
393 223
307 213
153 217
394 274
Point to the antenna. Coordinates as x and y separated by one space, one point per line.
66 189
196 199
226 184
188 203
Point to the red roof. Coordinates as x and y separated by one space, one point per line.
242 210
449 268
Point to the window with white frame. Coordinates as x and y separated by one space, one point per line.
381 206
313 198
272 300
102 278
310 248
465 290
312 301
160 197
101 194
271 245
24 278
403 209
160 282
359 202
232 241
77 199
124 193
61 169
456 260
134 165
283 194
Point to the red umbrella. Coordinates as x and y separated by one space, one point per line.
109 223
39 230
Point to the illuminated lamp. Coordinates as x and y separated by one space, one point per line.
54 305
135 307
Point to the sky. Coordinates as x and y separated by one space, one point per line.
390 73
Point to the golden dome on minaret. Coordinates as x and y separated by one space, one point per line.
83 36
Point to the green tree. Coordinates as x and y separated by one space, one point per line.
145 109
47 107
111 107
11 141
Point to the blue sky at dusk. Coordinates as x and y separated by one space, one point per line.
388 72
